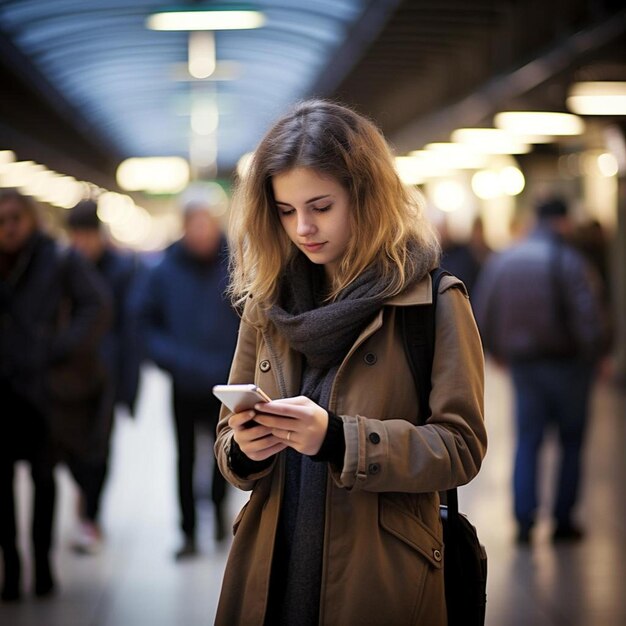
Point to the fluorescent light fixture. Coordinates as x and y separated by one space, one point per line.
19 173
486 184
421 165
512 181
201 54
449 195
6 156
203 151
493 183
206 20
607 164
598 98
153 174
244 163
204 116
490 141
525 123
455 156
408 169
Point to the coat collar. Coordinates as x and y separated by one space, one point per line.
419 292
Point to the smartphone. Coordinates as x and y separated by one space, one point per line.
240 398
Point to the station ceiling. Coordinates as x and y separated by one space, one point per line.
88 83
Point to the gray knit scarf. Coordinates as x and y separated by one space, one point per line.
323 334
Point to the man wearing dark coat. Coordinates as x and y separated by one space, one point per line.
539 309
53 311
119 353
190 331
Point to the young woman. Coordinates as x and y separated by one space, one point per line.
342 527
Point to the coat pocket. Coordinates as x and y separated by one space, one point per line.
409 529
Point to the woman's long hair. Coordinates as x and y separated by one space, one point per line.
386 216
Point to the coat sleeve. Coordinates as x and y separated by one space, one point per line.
447 451
582 293
242 372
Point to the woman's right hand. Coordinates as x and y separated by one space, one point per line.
256 442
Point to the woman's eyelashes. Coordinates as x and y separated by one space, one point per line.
321 209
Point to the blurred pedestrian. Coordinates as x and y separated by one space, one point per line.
539 310
53 311
190 331
119 352
466 259
343 525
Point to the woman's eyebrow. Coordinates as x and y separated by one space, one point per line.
307 201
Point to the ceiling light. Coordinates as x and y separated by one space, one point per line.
486 184
512 181
201 54
206 20
6 156
204 116
408 169
420 166
456 156
153 174
244 163
598 98
607 164
448 195
539 123
490 141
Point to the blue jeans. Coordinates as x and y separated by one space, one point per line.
550 392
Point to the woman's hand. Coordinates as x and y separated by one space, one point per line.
298 422
256 442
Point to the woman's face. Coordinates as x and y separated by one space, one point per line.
315 213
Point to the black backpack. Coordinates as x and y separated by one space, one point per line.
465 559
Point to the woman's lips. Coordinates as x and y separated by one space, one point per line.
313 247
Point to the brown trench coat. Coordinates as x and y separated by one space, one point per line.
383 538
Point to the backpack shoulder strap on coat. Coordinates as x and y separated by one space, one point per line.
418 331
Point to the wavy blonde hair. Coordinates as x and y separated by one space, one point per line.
386 217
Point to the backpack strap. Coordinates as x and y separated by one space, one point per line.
418 331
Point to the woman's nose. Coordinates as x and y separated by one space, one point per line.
305 226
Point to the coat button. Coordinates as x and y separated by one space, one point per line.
373 468
437 555
370 358
265 366
374 437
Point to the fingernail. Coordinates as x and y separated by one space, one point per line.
251 413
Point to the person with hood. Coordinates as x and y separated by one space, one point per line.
342 526
190 331
53 312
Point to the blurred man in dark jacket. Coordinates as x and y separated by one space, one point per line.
539 310
53 311
190 331
119 352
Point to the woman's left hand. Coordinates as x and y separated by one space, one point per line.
299 422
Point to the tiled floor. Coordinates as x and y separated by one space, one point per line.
135 581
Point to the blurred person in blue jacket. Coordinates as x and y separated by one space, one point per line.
53 311
190 331
119 351
539 308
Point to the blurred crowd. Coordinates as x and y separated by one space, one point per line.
76 320
78 317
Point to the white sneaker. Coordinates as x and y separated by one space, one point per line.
87 538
